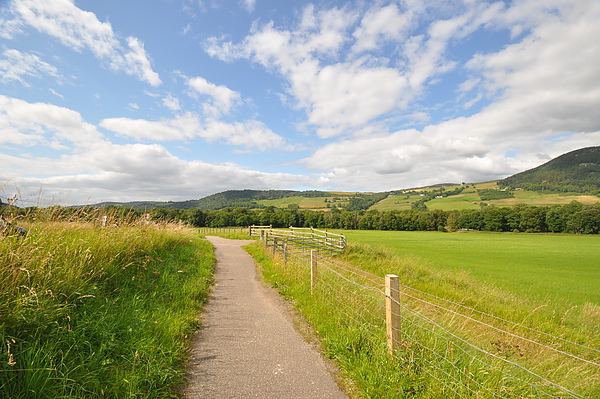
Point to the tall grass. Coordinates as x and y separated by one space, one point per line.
347 312
90 312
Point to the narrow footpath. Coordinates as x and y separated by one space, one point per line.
248 347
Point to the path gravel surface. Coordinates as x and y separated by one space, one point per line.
247 346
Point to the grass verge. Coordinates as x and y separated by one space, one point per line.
99 313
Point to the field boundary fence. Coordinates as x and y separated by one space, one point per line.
467 352
299 240
223 230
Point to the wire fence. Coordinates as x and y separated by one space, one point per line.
300 240
467 352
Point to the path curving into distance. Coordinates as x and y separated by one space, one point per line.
247 346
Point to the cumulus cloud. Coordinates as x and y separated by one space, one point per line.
343 91
361 76
249 134
79 30
86 166
540 88
222 98
144 172
380 25
31 124
180 128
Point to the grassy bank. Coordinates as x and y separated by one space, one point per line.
461 338
91 312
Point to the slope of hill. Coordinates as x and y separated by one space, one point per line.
231 198
575 171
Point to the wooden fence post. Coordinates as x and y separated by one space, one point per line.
392 312
313 270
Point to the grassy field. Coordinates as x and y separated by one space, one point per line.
315 203
87 312
396 202
563 268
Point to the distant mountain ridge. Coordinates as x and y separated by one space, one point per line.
575 171
225 199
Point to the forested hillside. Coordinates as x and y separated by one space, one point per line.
576 171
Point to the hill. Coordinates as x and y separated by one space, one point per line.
575 171
250 198
232 198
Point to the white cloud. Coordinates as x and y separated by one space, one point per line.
342 92
86 166
542 85
57 94
31 124
182 127
547 94
222 98
17 66
249 134
137 62
540 89
79 30
380 25
147 172
171 102
343 97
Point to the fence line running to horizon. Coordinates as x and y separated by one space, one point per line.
468 352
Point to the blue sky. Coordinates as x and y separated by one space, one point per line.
174 100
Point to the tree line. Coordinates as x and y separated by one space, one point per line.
574 218
570 218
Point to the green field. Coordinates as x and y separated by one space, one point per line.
545 267
396 202
482 315
315 203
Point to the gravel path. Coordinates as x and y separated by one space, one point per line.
248 347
